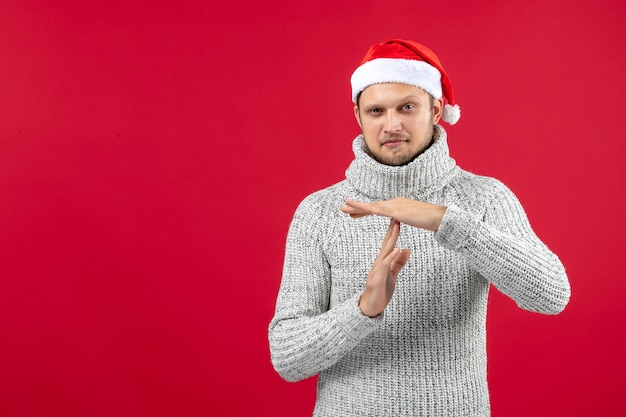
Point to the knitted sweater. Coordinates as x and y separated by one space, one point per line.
425 355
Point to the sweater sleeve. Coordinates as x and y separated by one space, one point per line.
503 248
305 335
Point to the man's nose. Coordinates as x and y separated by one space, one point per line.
393 123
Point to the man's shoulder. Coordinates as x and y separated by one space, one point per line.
320 210
479 184
480 193
329 197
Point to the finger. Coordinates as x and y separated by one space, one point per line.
359 215
360 207
393 231
353 203
352 211
400 261
388 260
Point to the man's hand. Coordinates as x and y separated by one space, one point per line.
414 213
381 281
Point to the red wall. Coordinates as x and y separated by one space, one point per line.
151 157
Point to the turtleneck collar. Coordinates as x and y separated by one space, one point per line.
428 172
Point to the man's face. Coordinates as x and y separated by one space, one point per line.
397 121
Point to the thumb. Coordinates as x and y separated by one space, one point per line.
399 261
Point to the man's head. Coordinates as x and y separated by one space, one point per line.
398 91
406 62
397 121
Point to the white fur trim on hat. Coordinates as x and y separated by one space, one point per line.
393 70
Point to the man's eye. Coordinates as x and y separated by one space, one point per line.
375 111
408 106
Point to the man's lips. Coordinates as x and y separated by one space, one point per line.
392 143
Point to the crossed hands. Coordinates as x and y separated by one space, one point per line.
382 278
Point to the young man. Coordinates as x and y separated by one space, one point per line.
386 273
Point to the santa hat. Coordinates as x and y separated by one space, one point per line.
406 62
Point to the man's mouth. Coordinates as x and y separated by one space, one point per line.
391 143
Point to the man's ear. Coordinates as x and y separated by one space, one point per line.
437 110
357 116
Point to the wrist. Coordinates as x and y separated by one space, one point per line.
363 307
438 213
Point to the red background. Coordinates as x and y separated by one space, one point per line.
152 154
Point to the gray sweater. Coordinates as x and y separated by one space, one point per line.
426 354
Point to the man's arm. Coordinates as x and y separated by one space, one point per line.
306 336
503 248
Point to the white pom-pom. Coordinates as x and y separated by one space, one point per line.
451 114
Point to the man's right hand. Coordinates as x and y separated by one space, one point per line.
381 281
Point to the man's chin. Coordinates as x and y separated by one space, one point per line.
392 159
395 160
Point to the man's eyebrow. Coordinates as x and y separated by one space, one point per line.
411 97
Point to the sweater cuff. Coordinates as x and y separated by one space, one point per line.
353 322
456 228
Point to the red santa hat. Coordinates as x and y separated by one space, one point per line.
406 62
